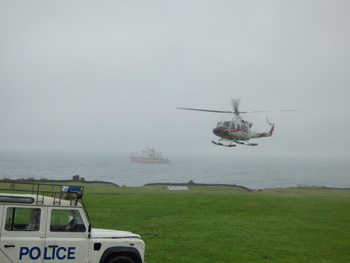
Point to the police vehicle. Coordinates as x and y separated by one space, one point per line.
46 223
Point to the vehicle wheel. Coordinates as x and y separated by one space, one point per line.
121 259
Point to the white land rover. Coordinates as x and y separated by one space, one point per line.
51 225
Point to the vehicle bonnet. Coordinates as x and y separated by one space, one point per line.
107 233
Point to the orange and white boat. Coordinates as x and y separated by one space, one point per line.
148 156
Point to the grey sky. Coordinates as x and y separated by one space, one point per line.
108 75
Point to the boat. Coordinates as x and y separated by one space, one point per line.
148 156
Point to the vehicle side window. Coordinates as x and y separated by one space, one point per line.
64 220
22 219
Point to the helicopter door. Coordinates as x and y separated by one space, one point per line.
245 129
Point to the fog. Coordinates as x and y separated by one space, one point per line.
107 76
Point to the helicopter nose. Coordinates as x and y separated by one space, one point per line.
216 130
220 130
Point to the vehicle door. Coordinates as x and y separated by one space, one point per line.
67 239
22 234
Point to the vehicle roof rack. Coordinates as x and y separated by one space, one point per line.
56 191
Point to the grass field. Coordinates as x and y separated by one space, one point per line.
226 224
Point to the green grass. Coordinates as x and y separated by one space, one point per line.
225 224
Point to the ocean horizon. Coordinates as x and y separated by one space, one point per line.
253 173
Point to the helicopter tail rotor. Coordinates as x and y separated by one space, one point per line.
269 123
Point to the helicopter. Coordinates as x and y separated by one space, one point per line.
237 130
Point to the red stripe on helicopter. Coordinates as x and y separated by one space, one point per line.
230 130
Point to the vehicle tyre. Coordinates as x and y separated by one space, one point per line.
121 259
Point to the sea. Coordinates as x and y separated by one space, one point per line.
251 172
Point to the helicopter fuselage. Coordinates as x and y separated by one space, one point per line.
238 130
231 134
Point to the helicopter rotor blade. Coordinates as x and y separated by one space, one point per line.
216 111
235 105
260 111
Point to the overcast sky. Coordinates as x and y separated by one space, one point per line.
107 76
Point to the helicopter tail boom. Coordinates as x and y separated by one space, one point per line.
263 134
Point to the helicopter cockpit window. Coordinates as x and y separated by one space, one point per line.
232 126
219 124
226 124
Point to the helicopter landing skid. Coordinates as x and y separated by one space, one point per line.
234 145
221 144
247 144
